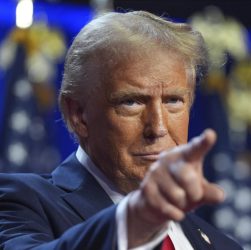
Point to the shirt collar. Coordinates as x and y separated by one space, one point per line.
106 184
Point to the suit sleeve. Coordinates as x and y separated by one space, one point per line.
23 224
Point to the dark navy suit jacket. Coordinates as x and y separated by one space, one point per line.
68 210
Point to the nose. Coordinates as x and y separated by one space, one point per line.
155 122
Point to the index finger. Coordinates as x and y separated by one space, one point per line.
199 146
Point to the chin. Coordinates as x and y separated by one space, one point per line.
142 170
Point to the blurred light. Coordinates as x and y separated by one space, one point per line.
222 162
225 218
17 153
243 228
24 14
23 89
19 121
242 200
57 15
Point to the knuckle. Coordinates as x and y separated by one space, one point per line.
166 209
177 168
180 193
179 216
180 198
189 178
197 195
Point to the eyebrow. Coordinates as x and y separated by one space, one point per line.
179 91
127 94
124 94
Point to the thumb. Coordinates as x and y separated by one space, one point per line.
199 146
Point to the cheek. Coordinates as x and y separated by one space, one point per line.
180 127
124 130
122 136
113 138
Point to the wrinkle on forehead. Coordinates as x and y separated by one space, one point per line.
152 81
137 65
152 90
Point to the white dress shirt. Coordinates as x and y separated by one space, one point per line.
173 229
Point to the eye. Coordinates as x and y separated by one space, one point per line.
175 103
174 100
129 106
129 102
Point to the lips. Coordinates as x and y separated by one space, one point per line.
153 156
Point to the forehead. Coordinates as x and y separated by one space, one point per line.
154 71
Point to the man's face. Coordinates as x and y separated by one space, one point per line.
143 110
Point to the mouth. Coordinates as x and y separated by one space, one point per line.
148 156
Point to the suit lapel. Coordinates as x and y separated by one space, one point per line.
84 194
195 235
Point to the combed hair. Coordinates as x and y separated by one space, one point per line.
108 41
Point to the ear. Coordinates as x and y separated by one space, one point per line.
76 118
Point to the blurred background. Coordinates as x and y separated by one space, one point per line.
34 37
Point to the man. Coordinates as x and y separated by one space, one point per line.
127 90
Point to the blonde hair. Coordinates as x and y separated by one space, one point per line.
108 40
